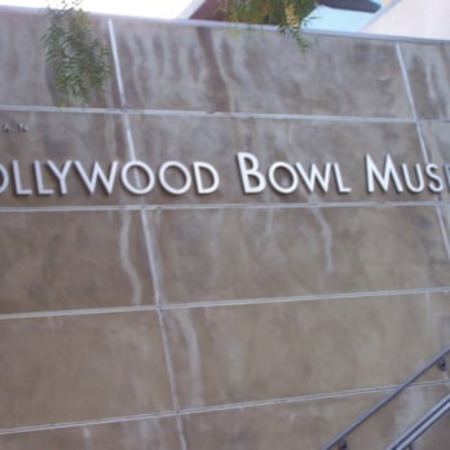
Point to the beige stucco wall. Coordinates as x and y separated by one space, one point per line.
417 18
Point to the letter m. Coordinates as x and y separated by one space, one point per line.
383 180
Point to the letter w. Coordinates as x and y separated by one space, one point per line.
97 174
315 177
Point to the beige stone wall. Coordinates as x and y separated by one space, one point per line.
225 321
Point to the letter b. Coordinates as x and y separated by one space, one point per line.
247 171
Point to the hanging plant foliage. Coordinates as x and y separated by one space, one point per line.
78 61
288 15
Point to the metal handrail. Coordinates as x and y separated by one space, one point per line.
339 440
418 429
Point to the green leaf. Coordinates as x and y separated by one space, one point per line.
78 61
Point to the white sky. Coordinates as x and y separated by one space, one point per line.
166 9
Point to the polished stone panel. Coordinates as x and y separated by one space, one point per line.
25 78
291 426
223 69
398 416
62 137
436 437
443 325
437 140
445 212
61 369
72 260
151 434
251 253
218 140
303 425
445 209
428 72
240 353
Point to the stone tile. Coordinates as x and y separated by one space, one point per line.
241 353
437 139
25 78
61 137
229 354
224 69
302 425
218 140
438 436
428 72
88 138
56 261
398 416
154 434
299 426
443 315
63 369
251 253
445 212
